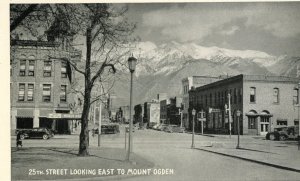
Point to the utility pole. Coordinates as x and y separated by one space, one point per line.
298 116
229 114
100 119
193 135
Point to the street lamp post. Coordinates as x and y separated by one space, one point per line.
238 114
193 113
131 64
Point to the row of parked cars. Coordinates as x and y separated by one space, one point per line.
283 133
169 128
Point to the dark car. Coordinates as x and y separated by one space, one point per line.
109 128
43 133
283 133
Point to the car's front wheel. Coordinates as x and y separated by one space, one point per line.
282 138
45 136
272 137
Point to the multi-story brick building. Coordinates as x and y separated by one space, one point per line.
187 84
152 113
264 101
40 84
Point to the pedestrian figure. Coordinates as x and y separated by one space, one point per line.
19 140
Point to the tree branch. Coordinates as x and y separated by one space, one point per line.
22 16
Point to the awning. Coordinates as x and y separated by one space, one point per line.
256 115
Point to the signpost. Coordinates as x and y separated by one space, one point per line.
238 114
202 118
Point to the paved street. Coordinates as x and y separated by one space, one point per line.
172 151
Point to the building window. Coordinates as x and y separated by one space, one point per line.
282 122
235 96
64 69
21 95
296 122
251 122
22 67
252 94
31 68
47 68
46 92
30 92
295 96
240 95
63 93
276 95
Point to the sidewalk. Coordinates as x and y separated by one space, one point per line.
52 163
283 155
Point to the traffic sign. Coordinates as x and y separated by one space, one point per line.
211 110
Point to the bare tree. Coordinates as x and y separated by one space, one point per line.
104 31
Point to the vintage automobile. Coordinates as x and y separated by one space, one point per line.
43 133
283 133
108 128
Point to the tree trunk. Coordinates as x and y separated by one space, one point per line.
84 134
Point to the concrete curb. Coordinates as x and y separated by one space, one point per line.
252 160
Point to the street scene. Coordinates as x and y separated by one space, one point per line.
266 160
155 91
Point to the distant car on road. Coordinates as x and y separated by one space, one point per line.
283 133
108 128
43 133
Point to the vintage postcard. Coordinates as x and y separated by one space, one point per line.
153 91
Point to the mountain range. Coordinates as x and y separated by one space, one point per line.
161 68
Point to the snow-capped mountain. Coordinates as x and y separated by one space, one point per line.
169 57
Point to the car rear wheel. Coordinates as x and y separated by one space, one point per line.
282 138
272 137
22 137
45 136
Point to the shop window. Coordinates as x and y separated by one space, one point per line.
276 95
251 122
22 67
252 94
282 122
30 92
46 92
31 68
21 95
47 68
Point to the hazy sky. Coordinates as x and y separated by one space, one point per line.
272 27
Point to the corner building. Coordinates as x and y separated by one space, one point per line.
265 102
40 84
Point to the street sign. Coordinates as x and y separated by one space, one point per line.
193 112
212 110
201 119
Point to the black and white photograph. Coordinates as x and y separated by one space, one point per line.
153 91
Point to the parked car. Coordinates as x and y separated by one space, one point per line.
173 129
109 128
283 133
43 133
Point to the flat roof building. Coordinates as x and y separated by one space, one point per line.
265 102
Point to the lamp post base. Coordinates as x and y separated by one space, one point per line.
238 147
